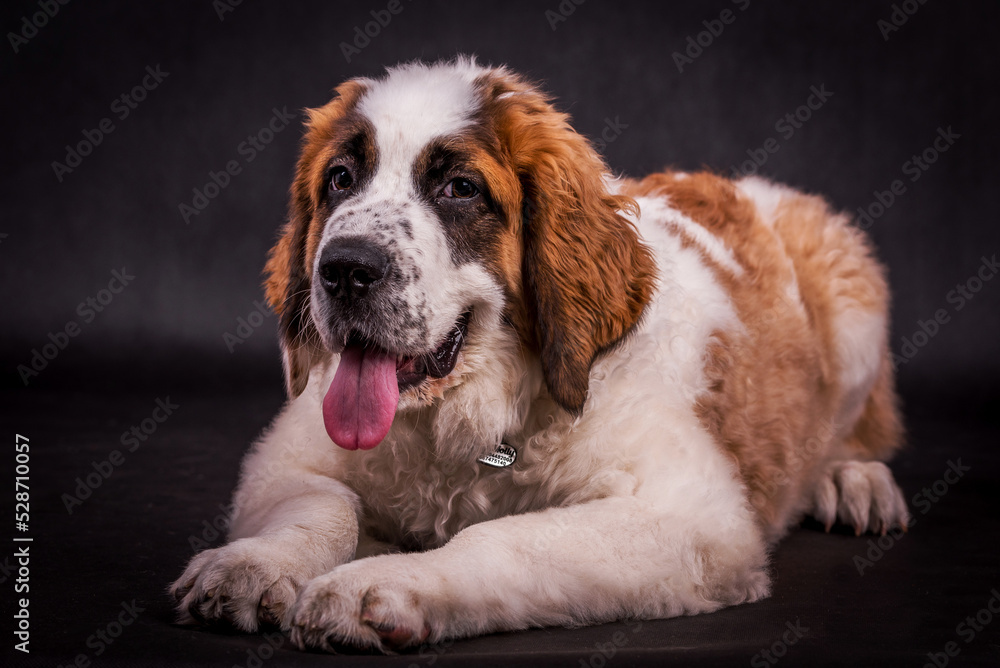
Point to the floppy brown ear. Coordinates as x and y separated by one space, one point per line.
288 270
587 277
287 288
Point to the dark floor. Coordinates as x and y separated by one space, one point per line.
837 599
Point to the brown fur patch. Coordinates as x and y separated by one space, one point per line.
287 270
774 390
836 266
586 277
487 234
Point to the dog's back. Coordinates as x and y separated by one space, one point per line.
805 382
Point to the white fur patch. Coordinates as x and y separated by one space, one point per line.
765 195
715 248
859 338
412 106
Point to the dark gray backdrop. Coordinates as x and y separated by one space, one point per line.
607 63
164 335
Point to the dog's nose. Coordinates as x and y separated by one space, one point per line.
351 268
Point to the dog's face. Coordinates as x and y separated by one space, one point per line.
429 208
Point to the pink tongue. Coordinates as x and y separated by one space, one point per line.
359 407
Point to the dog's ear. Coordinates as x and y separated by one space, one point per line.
287 288
586 276
289 265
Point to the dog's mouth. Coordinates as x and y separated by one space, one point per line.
438 363
360 405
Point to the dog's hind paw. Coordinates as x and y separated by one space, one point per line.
863 495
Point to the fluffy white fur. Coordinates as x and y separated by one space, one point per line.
630 510
587 487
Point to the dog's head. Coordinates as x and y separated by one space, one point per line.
430 207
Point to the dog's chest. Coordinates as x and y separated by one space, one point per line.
419 500
418 503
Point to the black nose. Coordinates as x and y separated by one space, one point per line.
352 267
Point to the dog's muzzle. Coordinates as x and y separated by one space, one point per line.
360 405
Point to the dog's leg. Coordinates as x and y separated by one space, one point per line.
292 522
853 488
608 559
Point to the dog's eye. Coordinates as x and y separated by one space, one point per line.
460 189
341 179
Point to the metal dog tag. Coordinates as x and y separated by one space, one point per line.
501 458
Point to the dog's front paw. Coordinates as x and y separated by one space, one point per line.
861 494
373 603
246 583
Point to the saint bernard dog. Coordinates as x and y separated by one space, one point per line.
526 392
